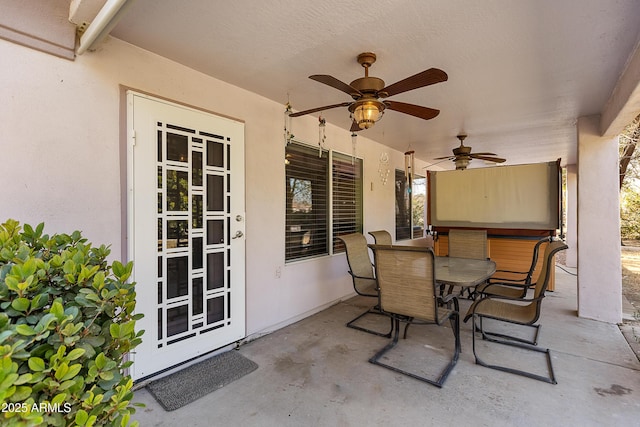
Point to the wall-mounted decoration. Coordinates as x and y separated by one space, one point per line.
322 136
354 140
288 136
383 168
409 165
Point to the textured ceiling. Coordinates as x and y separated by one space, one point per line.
520 72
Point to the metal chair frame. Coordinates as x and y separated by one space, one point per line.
447 301
381 237
533 303
357 241
514 287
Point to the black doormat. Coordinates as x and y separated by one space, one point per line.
185 386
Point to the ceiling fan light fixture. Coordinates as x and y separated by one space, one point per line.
367 112
461 163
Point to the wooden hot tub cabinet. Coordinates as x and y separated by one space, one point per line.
510 249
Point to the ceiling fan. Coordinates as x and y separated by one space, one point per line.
463 155
366 107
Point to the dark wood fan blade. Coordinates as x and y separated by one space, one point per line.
489 159
411 109
445 157
336 84
483 154
425 78
314 110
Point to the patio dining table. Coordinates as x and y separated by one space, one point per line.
463 272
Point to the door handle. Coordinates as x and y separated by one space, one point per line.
238 235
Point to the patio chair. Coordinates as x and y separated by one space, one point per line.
471 244
468 244
519 311
364 281
381 237
406 278
517 283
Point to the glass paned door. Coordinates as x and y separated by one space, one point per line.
187 226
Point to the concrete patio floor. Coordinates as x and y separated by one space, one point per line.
316 373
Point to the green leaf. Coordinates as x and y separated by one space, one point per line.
57 309
97 399
21 393
44 322
4 320
4 335
98 280
8 381
59 398
106 375
75 353
20 304
25 330
114 329
66 384
101 361
61 371
127 329
118 268
39 301
69 267
81 417
28 268
24 378
92 420
125 420
72 372
12 283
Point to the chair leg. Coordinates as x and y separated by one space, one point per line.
551 379
487 335
443 375
373 310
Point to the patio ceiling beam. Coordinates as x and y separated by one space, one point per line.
624 103
104 22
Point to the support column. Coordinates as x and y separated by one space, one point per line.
599 269
572 216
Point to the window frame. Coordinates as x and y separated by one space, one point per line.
408 199
332 244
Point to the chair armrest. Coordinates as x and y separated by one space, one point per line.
476 303
508 279
504 298
510 271
509 284
360 277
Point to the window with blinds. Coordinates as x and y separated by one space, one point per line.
315 194
403 206
347 197
410 210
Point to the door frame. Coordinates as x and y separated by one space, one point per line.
237 186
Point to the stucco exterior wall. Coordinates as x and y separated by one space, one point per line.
600 272
63 163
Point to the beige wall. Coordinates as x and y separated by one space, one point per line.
62 163
600 272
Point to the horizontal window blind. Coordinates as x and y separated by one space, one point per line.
347 197
403 206
307 202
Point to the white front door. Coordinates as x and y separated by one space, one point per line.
186 231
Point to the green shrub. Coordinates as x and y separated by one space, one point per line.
66 326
